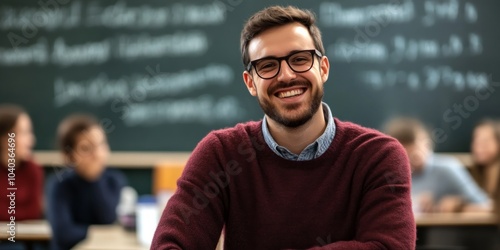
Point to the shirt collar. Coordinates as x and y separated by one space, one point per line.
313 150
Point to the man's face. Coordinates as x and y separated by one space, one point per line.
290 98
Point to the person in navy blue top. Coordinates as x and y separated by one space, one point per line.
86 193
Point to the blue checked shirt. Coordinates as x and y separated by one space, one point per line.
313 150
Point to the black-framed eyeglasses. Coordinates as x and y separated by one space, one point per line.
299 61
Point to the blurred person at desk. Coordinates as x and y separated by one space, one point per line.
18 171
439 183
485 149
299 178
16 144
86 193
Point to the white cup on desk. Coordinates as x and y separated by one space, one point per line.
147 217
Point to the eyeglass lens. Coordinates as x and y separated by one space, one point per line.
299 62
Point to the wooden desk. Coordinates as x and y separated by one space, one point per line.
456 219
109 237
457 230
114 237
31 230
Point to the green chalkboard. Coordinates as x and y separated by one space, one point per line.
161 74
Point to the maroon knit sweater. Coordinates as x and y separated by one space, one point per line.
29 193
354 196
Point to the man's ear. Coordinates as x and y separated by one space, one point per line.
324 68
248 79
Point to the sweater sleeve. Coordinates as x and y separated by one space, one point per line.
385 219
65 231
106 192
194 215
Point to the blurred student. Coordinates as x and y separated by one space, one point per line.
27 177
486 158
439 183
87 193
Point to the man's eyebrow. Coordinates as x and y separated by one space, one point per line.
295 50
274 56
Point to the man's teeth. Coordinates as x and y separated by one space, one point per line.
290 93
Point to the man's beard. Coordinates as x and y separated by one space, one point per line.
274 113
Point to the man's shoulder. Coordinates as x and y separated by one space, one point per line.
355 134
372 152
227 139
227 144
238 132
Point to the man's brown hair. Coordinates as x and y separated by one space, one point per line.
275 16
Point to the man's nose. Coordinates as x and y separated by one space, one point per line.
286 74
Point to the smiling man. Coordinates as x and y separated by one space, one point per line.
298 179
